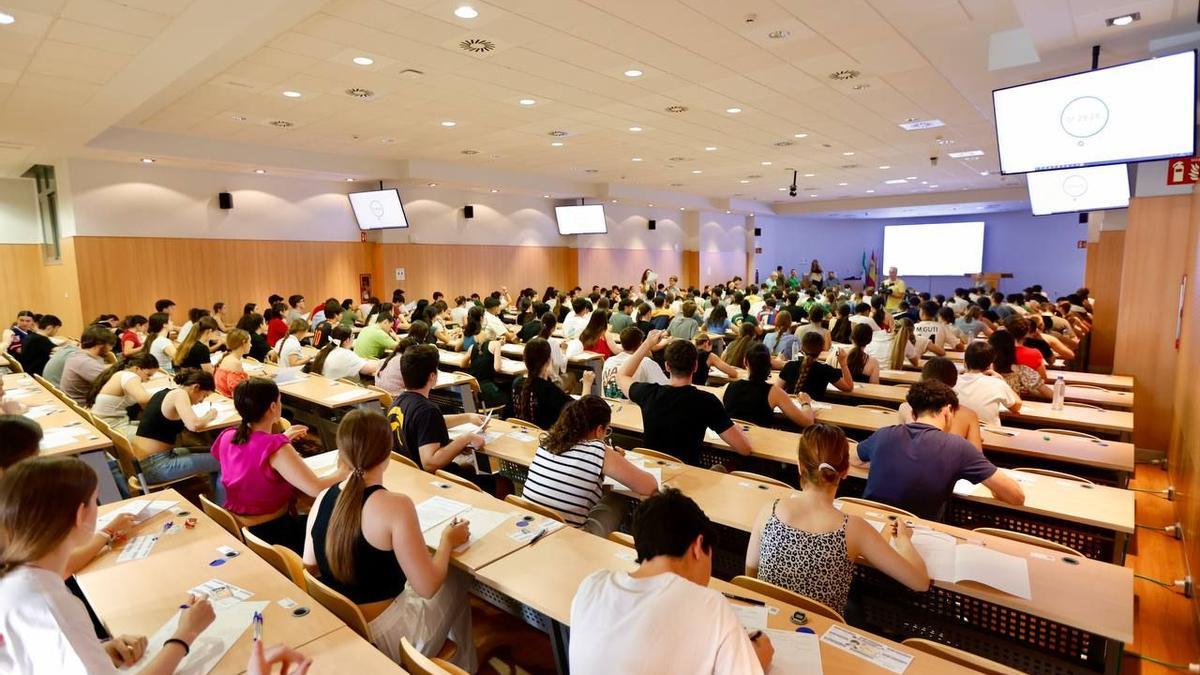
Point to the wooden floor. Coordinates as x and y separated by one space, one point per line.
1164 622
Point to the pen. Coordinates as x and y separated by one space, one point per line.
168 525
539 535
755 635
742 598
258 626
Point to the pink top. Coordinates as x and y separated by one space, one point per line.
252 487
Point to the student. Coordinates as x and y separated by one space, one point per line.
895 347
389 377
377 338
421 430
648 370
810 376
717 323
193 352
754 399
347 317
164 417
297 307
643 323
581 311
780 342
662 617
744 316
459 313
675 415
85 365
930 330
337 359
735 352
595 336
19 438
960 302
120 387
291 352
955 338
194 315
483 363
570 465
1025 381
218 315
806 545
261 471
366 542
536 399
331 318
622 318
981 390
862 314
914 466
491 319
13 336
706 360
133 334
277 327
229 372
863 367
816 324
254 325
840 331
533 326
38 344
686 324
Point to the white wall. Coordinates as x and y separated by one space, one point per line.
19 222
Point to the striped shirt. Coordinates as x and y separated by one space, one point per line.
568 483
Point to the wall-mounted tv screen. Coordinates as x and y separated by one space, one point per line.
587 219
1092 188
378 209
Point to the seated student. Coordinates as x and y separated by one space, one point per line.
48 509
158 344
492 307
816 324
980 389
85 365
1024 380
389 377
806 545
291 348
164 417
337 359
955 338
218 315
420 428
735 351
661 317
581 311
662 617
780 342
348 315
572 459
277 328
13 336
254 325
623 317
261 472
533 325
707 359
809 375
332 312
230 372
119 387
377 338
754 399
297 309
963 421
366 542
862 314
1045 344
459 312
19 439
930 330
863 367
914 466
648 371
134 334
744 316
595 337
686 324
484 360
896 347
675 415
193 352
536 398
38 344
642 321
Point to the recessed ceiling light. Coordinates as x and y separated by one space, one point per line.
649 205
466 12
914 124
799 135
494 190
933 186
733 111
843 184
870 191
260 171
781 189
696 171
449 123
292 94
910 178
848 153
6 19
1123 20
238 118
633 72
545 196
527 101
363 60
809 175
557 144
743 181
637 159
431 185
885 166
349 180
710 148
765 163
812 195
614 201
635 129
778 34
681 208
147 160
924 182
984 173
965 153
895 181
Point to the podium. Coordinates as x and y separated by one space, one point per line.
990 280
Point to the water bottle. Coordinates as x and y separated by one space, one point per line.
1060 392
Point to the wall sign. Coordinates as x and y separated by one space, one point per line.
1183 171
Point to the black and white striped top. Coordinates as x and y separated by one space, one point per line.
568 483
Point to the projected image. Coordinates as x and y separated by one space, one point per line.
378 209
934 249
1086 189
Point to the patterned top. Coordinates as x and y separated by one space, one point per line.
1023 379
569 482
812 564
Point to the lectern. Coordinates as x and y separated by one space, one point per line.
990 280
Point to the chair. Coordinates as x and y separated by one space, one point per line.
417 663
527 426
267 552
13 364
403 459
223 517
385 399
1090 386
536 508
457 480
295 565
1068 432
621 538
880 408
877 505
338 604
1053 474
958 656
1029 539
657 455
129 465
788 597
761 478
1077 404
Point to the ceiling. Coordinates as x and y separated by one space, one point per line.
216 70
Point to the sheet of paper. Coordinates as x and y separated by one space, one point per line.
794 652
437 510
57 438
866 648
223 408
1004 572
482 522
153 509
230 623
288 374
656 472
444 378
348 395
324 463
138 548
963 487
937 550
753 617
215 357
132 508
41 411
522 436
468 428
222 593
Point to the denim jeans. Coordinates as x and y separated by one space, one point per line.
182 462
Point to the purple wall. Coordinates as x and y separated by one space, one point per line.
1036 250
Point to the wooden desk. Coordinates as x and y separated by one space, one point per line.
343 651
458 361
584 360
89 444
138 596
316 389
894 386
227 419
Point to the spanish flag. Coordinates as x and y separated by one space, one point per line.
872 275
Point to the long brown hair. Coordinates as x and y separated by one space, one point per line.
536 356
861 334
364 442
811 344
202 326
336 337
139 360
824 454
735 353
596 327
902 336
39 503
577 420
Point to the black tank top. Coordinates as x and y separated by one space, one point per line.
749 401
378 575
155 425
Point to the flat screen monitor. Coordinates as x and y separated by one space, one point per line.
934 249
1129 113
1092 188
587 219
378 209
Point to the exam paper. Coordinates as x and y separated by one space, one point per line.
323 464
794 652
866 648
231 621
753 617
946 560
482 522
344 396
437 510
656 472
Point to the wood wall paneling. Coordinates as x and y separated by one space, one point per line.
458 269
1103 278
26 282
624 266
691 269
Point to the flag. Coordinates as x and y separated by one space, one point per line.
863 265
872 277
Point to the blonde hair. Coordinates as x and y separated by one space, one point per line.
235 339
39 503
902 334
824 454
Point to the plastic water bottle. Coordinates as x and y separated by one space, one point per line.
1060 392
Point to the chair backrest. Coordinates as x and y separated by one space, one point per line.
1053 474
418 664
339 604
887 508
1068 432
966 659
621 538
1089 386
1080 404
13 364
761 478
124 451
658 455
784 595
871 406
223 517
536 508
295 565
1029 539
385 398
528 426
267 552
457 480
403 459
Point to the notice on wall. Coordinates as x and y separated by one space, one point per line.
399 274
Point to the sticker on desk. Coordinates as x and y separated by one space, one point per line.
525 534
522 436
222 594
41 411
138 548
286 603
866 648
1042 556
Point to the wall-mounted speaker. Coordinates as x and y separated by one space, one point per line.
1083 218
653 224
225 200
468 211
758 231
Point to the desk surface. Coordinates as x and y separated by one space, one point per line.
228 418
893 390
343 651
316 389
1118 382
138 596
458 360
28 391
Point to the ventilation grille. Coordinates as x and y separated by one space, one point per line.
470 152
676 109
360 93
558 133
477 46
784 144
845 74
282 124
679 159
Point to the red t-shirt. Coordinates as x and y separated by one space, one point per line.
277 329
130 337
1028 356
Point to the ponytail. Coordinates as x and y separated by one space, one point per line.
252 399
364 442
336 337
861 334
823 455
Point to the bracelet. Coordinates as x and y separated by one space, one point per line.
186 649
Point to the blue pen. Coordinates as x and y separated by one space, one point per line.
258 626
168 525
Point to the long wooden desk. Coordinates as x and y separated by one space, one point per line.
893 391
343 651
1082 392
584 360
316 389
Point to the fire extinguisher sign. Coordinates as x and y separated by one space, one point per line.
1183 171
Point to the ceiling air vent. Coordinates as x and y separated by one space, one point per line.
359 92
676 109
558 133
784 144
470 152
477 46
845 74
282 124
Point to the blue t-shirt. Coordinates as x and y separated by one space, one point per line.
914 466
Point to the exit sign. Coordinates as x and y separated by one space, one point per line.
1183 171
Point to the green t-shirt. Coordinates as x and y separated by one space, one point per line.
373 342
619 321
